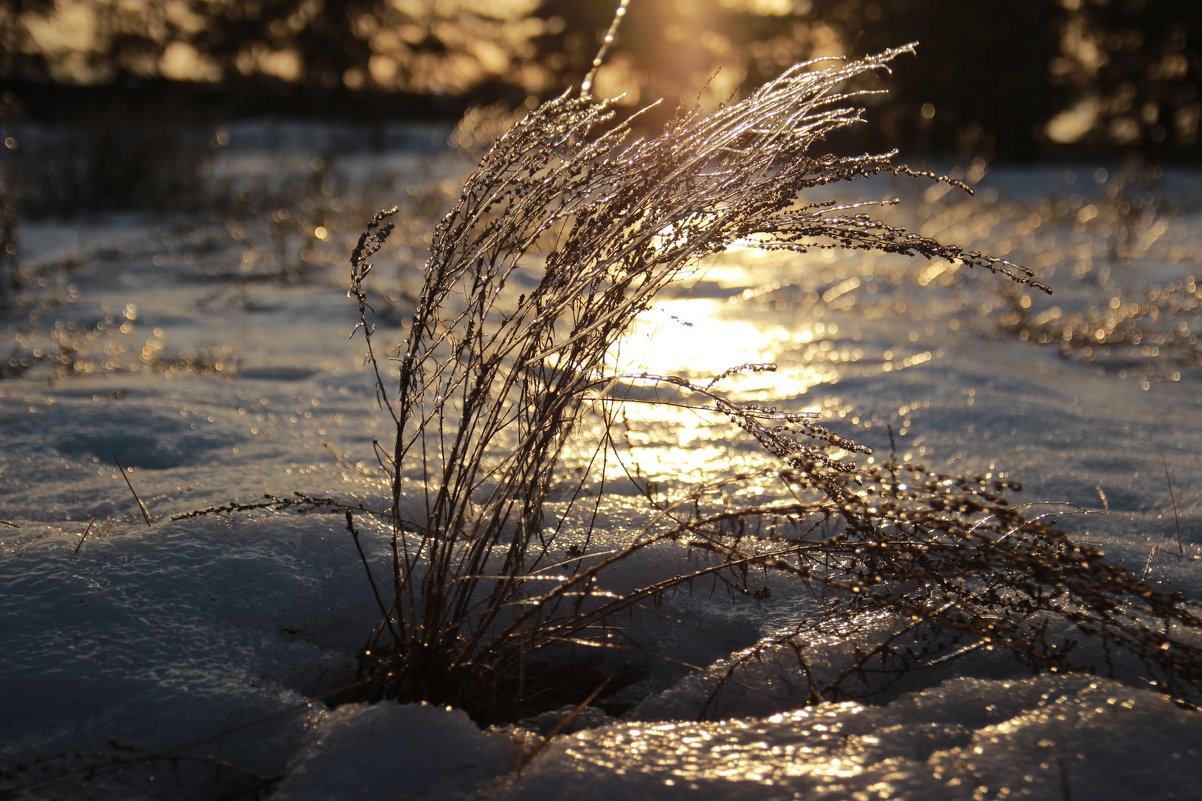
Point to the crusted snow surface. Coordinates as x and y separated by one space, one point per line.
186 659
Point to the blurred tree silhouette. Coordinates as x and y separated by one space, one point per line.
1136 65
19 55
238 37
1021 80
988 80
979 82
18 58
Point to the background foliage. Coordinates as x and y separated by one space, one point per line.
1021 80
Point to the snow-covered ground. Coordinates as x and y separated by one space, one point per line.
210 356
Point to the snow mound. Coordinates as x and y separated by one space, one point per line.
415 751
1038 738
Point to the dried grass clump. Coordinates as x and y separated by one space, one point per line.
562 236
957 569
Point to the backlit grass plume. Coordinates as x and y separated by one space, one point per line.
564 233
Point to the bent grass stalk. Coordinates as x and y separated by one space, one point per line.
564 233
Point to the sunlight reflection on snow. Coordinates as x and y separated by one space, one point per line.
699 335
817 748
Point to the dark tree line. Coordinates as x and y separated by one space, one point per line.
1110 75
988 77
